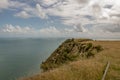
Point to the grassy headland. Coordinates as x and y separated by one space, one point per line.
81 59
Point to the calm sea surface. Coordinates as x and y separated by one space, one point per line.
22 57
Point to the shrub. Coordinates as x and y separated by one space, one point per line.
69 51
98 48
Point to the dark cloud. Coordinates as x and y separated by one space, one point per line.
108 6
117 15
83 1
89 17
113 28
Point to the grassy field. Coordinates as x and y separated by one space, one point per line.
87 69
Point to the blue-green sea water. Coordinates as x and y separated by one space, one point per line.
22 57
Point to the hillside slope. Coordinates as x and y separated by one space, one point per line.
70 50
83 68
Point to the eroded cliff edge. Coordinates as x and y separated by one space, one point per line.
70 50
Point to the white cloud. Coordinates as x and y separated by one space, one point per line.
49 30
28 12
23 14
40 12
69 10
4 4
47 2
76 13
79 28
96 31
29 31
10 4
73 12
16 29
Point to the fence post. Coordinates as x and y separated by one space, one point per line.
106 69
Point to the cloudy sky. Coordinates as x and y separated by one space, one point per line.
60 18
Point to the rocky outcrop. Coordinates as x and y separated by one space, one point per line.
71 50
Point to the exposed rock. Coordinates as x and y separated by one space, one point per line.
70 50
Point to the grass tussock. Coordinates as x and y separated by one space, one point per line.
88 69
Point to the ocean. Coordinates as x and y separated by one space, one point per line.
21 57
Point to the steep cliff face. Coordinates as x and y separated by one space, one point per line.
71 50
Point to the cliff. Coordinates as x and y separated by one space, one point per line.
71 50
82 67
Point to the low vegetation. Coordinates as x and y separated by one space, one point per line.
71 50
83 67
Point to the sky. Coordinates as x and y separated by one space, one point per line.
98 19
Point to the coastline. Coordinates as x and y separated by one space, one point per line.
95 65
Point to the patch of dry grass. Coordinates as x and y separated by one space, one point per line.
78 70
111 53
88 69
